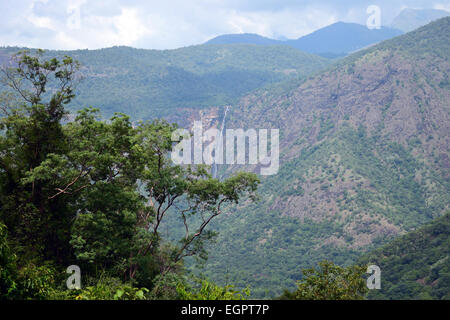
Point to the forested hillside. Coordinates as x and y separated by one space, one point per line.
148 84
416 265
364 159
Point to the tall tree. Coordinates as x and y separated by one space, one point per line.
94 192
33 131
330 282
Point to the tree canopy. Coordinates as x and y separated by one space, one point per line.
93 193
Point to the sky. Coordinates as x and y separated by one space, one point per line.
169 24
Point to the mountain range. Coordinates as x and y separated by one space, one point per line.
331 41
340 38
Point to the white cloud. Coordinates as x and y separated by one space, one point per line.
288 23
442 6
168 24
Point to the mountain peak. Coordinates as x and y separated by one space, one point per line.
335 38
248 38
330 41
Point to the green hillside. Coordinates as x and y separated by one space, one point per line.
364 158
155 83
416 265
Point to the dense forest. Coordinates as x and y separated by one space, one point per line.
415 266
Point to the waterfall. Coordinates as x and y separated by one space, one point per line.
220 137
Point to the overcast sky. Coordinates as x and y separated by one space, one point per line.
167 24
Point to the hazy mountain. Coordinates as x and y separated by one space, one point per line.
410 19
154 83
416 265
248 38
342 38
335 40
364 158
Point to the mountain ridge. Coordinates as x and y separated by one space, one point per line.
331 41
156 83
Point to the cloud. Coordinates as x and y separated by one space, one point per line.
72 24
442 6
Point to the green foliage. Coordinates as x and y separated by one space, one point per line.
431 39
102 292
32 134
103 288
165 287
210 291
98 192
329 282
332 282
8 267
36 282
416 265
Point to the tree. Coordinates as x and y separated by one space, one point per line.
210 291
129 185
8 267
32 132
330 282
95 192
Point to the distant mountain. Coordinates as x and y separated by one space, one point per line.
342 38
416 265
410 19
332 41
364 158
248 38
155 83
